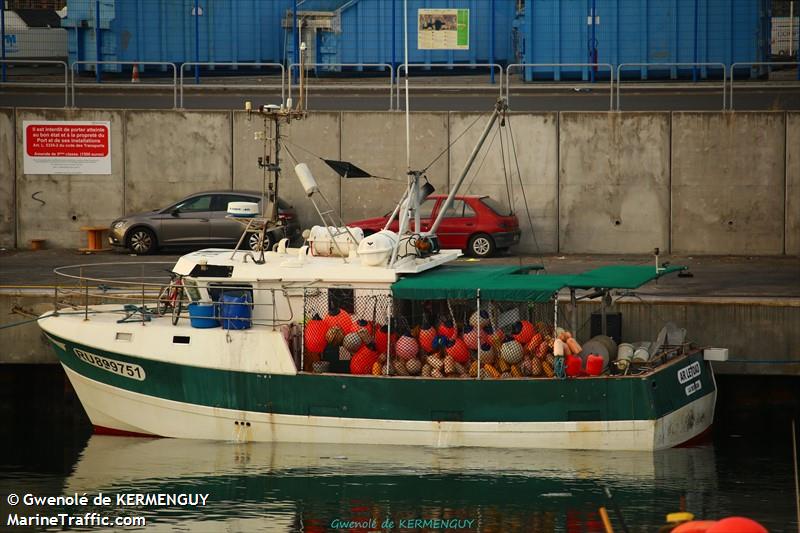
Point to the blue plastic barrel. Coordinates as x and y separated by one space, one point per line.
202 316
236 311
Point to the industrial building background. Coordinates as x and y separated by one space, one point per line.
363 35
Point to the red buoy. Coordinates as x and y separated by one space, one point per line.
594 364
573 365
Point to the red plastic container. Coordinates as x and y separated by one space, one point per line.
594 365
573 366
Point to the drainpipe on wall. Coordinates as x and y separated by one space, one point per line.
197 41
98 50
3 36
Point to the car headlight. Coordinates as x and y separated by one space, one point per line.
118 224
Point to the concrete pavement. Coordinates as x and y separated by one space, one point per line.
762 279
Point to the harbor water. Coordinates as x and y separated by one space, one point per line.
48 449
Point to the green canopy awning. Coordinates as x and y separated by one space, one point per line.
619 276
518 284
495 283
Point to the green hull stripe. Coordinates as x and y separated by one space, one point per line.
533 400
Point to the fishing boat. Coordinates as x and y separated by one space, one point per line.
381 339
376 340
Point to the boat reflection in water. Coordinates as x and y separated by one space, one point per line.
314 487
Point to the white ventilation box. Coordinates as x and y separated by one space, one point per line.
715 354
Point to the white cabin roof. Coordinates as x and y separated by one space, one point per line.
295 266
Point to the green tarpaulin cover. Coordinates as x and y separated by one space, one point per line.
619 276
518 284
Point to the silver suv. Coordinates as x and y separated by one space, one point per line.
199 220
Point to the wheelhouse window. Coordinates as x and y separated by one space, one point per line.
217 290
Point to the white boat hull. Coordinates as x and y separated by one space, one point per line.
123 411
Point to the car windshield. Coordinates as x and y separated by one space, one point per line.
496 206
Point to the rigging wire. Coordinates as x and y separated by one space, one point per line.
524 197
447 149
486 153
291 154
505 171
286 142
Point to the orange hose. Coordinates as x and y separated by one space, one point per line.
605 519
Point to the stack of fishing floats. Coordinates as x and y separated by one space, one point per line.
448 349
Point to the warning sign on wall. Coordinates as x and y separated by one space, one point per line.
66 147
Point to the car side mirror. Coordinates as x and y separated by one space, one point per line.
175 212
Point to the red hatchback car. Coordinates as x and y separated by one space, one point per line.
476 224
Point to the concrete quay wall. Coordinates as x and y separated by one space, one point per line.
592 182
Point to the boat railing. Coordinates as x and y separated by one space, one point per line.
147 290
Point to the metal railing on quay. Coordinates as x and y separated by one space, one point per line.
675 66
523 66
448 86
337 86
768 64
65 83
237 65
75 65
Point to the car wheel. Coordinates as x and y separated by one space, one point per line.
481 245
254 242
142 241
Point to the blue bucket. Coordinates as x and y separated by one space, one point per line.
201 316
235 312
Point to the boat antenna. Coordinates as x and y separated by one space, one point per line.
405 60
411 199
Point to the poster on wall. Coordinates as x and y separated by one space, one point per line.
66 147
443 29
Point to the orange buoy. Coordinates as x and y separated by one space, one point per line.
695 526
736 524
457 349
315 335
426 336
363 360
447 328
522 331
573 346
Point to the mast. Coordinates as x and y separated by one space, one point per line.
500 108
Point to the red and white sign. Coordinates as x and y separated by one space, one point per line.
66 147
